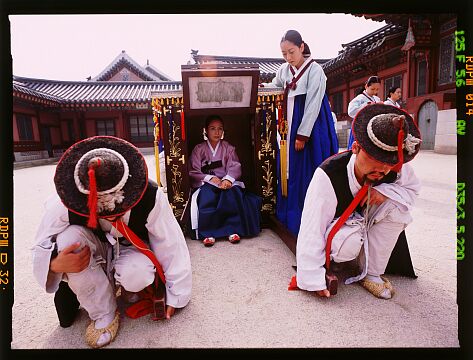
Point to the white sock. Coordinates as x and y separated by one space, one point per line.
386 294
101 323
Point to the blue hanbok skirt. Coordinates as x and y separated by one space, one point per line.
226 212
322 144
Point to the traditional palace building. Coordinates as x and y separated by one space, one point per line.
415 52
50 115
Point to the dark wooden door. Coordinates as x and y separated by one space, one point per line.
428 124
46 138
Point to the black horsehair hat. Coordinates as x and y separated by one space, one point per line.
101 176
387 134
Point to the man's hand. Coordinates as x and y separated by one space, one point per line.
299 145
225 184
169 311
69 262
376 198
216 181
323 293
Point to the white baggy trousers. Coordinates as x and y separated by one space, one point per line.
95 285
373 238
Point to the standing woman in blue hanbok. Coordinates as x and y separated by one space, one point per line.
367 96
311 136
220 205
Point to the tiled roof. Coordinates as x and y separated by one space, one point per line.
153 70
75 93
374 36
123 59
92 92
363 46
400 19
403 19
267 66
20 88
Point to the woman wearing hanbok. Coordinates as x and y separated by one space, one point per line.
311 136
367 96
394 95
220 205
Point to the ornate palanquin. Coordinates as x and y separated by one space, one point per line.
266 145
250 122
168 112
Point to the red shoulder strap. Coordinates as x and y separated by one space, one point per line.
140 245
341 220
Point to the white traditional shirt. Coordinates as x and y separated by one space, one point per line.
319 211
391 102
313 83
359 102
165 238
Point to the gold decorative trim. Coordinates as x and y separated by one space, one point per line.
174 142
267 153
178 195
266 145
271 91
178 213
268 177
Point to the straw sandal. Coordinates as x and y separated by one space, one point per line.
377 289
92 334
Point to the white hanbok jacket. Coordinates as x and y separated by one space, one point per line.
166 240
359 102
319 212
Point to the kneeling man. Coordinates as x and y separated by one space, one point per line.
375 169
109 225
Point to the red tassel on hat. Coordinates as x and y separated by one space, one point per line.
92 201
